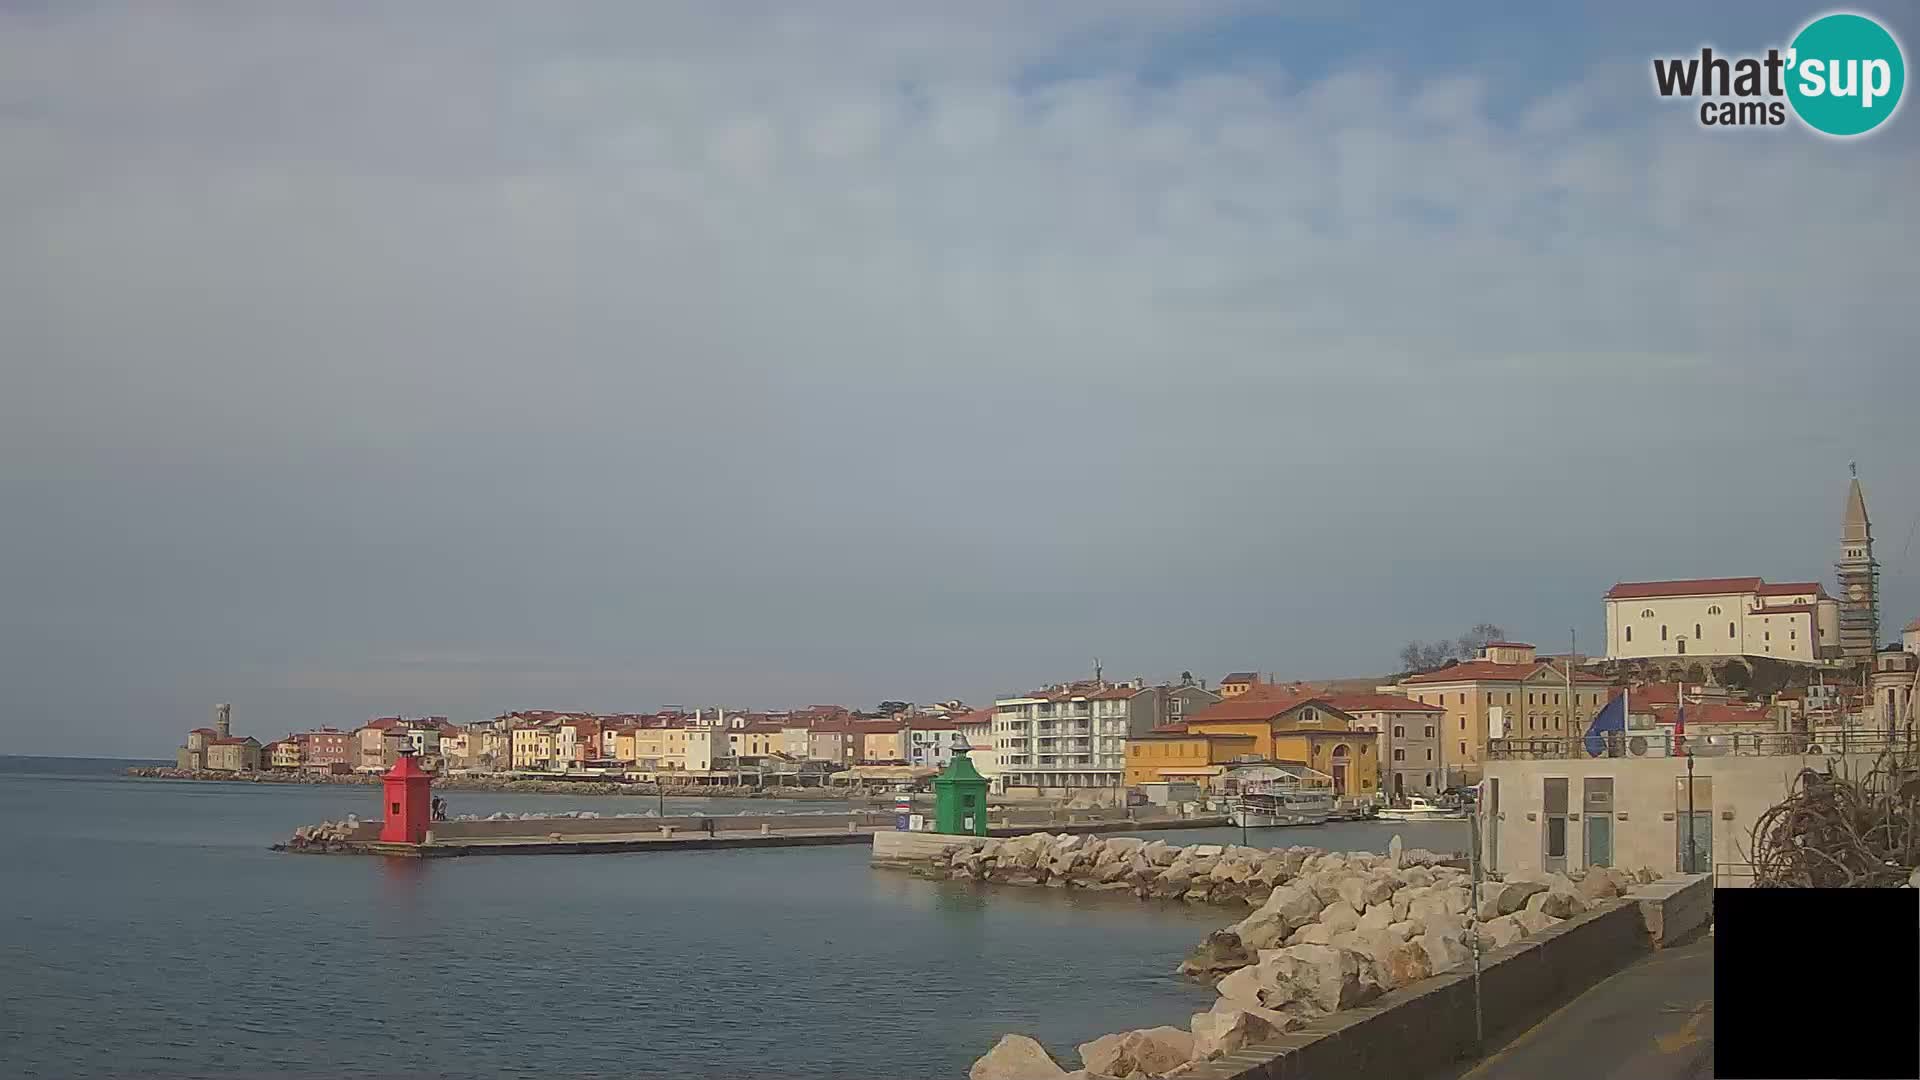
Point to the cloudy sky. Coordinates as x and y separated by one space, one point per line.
457 357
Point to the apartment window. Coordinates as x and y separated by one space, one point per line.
1463 699
1556 699
1509 697
1399 755
1463 723
1399 732
1429 758
1463 749
1429 779
1429 731
1663 631
1530 700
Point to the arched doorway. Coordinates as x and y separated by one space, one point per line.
1339 770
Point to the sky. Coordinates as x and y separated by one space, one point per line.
459 357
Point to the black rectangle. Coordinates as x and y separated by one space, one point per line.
1816 983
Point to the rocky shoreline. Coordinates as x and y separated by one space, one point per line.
1330 931
524 787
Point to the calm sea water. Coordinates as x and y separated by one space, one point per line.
149 931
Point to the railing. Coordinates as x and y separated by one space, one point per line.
1702 744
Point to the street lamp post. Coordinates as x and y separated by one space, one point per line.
1691 868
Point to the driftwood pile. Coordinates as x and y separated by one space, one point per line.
1840 831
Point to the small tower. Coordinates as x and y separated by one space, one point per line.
407 799
222 720
1859 577
960 798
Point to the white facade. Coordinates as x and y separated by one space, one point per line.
934 746
1064 739
705 747
1724 617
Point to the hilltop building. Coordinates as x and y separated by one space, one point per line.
1859 632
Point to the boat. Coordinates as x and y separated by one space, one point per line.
1272 804
1419 809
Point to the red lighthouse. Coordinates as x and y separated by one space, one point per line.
409 802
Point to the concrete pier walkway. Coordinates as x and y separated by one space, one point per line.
574 837
1652 1020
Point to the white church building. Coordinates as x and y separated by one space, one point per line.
1722 617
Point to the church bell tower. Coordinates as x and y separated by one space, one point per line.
1859 578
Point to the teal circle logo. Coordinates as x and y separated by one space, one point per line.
1845 74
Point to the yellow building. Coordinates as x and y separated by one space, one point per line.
1269 724
1170 753
282 754
1506 692
881 742
656 749
533 747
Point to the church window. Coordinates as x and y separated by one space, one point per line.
1714 610
1663 631
1729 629
1629 633
1696 630
1646 613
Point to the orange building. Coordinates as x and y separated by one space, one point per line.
1264 723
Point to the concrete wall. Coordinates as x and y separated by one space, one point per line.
1649 802
902 850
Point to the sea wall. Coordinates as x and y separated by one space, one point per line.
1348 960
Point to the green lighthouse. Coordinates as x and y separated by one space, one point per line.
960 799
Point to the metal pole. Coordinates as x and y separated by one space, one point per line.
1690 868
1473 857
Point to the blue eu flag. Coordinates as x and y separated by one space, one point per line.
1612 718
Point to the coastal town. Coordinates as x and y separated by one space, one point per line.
1739 665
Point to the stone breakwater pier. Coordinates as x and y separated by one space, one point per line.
585 833
1349 964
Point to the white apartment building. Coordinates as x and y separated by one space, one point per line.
1722 617
1066 737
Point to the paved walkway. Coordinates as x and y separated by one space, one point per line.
1650 1021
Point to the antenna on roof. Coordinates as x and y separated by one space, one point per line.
1096 669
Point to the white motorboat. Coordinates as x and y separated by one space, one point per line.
1269 805
1419 809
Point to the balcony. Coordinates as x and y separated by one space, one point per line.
1701 743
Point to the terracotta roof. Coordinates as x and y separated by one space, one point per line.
1509 645
237 741
1636 590
1253 707
1715 713
203 731
977 716
1791 588
934 723
384 723
763 727
1357 703
1488 671
1241 676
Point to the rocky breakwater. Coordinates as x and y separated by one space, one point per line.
1331 931
327 836
1149 869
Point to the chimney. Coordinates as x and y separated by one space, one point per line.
222 717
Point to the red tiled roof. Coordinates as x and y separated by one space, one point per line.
1253 707
384 723
1792 588
934 723
1637 590
1715 713
977 716
204 731
1358 703
1488 671
236 741
1509 645
763 727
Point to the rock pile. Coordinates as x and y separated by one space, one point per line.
1332 930
326 836
1149 869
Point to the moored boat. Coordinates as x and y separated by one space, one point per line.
1271 805
1419 809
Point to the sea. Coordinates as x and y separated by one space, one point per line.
149 930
